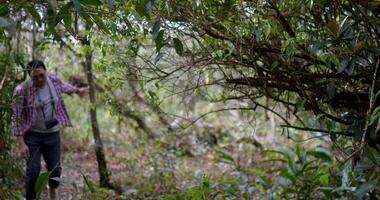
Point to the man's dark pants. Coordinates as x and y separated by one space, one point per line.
49 146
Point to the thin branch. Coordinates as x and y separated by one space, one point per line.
310 138
4 77
214 111
285 24
370 107
353 154
315 130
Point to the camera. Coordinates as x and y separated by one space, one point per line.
51 123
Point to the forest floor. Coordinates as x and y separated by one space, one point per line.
77 162
73 164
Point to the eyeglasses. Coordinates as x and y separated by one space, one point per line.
38 77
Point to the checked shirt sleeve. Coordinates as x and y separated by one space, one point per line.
67 88
17 114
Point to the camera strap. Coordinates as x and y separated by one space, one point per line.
51 101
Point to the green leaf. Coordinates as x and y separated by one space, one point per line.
65 181
287 173
324 179
363 165
4 10
89 183
36 16
330 90
299 105
91 2
77 5
376 95
350 68
152 94
156 29
275 64
290 166
4 22
51 20
141 8
322 3
326 190
88 20
343 27
315 48
274 160
274 152
67 20
298 153
362 61
333 27
197 92
224 155
343 64
374 50
284 181
372 154
158 57
256 171
289 47
258 34
100 24
178 46
347 169
375 114
41 183
110 4
63 12
159 40
362 190
320 155
264 181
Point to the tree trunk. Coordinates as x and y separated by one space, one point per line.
34 41
100 157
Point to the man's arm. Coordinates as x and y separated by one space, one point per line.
24 150
67 88
17 106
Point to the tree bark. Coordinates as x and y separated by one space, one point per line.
100 157
34 41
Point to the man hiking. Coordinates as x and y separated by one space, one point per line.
38 115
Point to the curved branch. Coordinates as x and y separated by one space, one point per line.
316 130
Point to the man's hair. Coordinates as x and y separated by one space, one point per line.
34 64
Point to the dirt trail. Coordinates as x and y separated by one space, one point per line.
73 164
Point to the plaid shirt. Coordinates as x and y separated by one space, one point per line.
24 109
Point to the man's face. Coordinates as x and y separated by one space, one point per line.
38 76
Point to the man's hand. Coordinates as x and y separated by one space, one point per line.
82 91
24 150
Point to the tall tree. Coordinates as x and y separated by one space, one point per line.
100 157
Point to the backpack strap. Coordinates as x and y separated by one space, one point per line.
26 88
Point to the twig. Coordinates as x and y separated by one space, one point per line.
214 111
4 77
315 130
310 138
353 154
370 107
284 23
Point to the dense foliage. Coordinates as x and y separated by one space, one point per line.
313 64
